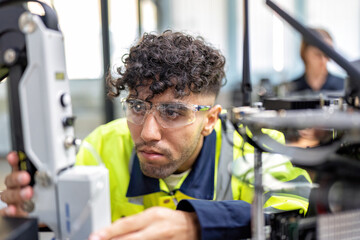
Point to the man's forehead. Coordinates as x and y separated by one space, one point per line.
168 95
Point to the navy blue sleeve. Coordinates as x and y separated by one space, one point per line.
220 219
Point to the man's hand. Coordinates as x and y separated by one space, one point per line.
154 223
17 189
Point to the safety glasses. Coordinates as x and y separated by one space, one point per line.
168 114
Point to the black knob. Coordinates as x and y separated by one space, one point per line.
68 121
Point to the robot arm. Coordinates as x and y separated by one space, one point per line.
72 201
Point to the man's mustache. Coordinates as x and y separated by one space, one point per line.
152 145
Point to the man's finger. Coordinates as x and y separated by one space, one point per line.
17 179
126 225
13 211
13 160
131 224
118 228
8 211
17 196
146 233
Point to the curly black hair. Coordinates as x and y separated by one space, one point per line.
170 60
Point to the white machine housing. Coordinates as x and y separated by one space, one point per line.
72 200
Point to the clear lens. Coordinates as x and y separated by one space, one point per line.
168 115
135 111
174 115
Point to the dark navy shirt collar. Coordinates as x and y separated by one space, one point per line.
198 184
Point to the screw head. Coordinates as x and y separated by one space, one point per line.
28 206
10 56
26 23
43 179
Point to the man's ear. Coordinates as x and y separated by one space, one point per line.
211 119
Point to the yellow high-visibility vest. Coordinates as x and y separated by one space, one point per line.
112 145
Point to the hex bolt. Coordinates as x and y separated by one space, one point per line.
43 179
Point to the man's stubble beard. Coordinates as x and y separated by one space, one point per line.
174 164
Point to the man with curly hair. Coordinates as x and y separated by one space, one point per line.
168 159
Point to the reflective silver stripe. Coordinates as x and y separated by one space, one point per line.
223 187
93 152
136 200
270 209
299 187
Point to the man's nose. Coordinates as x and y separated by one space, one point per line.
325 59
151 130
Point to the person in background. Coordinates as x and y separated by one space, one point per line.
315 80
316 77
168 159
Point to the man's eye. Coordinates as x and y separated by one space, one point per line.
170 113
137 107
173 112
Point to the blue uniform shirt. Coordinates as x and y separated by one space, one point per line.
332 83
